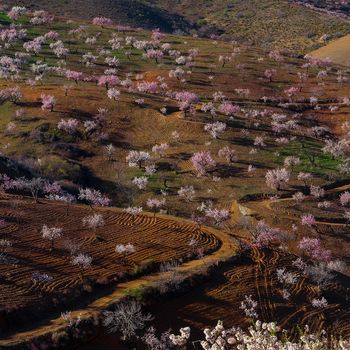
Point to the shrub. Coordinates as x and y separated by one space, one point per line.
201 22
137 293
53 167
144 267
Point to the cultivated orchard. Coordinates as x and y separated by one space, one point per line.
112 101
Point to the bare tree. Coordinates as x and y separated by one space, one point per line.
126 318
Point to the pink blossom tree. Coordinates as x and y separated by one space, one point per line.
308 220
102 21
229 154
108 81
270 73
52 188
34 186
156 55
187 193
186 101
70 126
83 262
277 178
51 233
202 162
48 102
229 109
140 182
40 17
263 234
113 94
313 247
160 149
154 204
93 197
218 215
16 12
215 129
134 212
93 222
137 158
345 198
150 87
124 250
32 46
74 75
157 35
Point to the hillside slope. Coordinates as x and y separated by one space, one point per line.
266 23
127 12
339 7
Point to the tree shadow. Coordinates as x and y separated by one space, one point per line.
226 171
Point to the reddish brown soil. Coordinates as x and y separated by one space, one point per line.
155 239
221 296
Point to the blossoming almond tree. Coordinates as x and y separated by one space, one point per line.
218 215
93 222
93 197
124 249
277 178
134 212
102 21
154 204
48 102
83 262
186 192
202 162
51 233
260 335
137 158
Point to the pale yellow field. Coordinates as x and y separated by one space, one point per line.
338 51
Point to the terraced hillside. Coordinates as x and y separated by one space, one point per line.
221 299
37 279
138 120
253 142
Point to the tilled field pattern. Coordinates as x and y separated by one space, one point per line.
39 275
